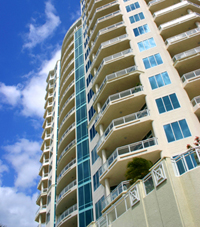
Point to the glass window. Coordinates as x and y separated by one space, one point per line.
146 44
136 17
132 7
152 61
159 80
141 30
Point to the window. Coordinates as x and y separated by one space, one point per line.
88 80
159 80
177 130
88 65
94 155
91 112
152 61
98 207
90 94
146 44
96 183
167 103
141 30
132 7
48 217
93 132
136 17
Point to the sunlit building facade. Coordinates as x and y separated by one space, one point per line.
127 85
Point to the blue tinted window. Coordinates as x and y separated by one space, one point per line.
98 207
141 30
136 17
132 6
152 61
159 80
94 155
146 44
96 183
93 132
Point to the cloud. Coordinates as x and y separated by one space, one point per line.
30 96
23 157
3 168
75 15
38 33
16 208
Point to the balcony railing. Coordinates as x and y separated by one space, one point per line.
66 68
66 168
195 101
65 133
190 75
125 150
66 90
181 36
153 2
70 73
122 121
66 189
71 97
66 213
122 187
43 191
186 54
118 96
115 75
66 116
66 149
43 207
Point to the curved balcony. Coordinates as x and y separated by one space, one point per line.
68 217
67 90
175 27
191 81
115 166
66 175
67 42
68 59
67 196
43 179
69 78
187 61
70 46
69 104
196 106
67 70
45 152
44 165
41 211
120 79
42 193
125 102
132 127
112 62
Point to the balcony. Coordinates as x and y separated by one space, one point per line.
124 102
191 81
187 61
70 46
69 104
116 194
45 152
67 69
156 5
183 41
118 80
68 217
68 59
41 194
42 211
66 197
112 62
175 27
66 175
43 179
69 78
196 106
116 165
44 165
69 89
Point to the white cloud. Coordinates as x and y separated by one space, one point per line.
3 168
38 33
75 15
23 157
16 208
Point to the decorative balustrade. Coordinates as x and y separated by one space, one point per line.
186 54
65 133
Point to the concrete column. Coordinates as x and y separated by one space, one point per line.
104 159
93 56
101 130
95 71
198 24
40 221
107 187
189 11
96 88
98 107
42 186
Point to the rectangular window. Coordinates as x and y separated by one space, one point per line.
93 132
96 183
159 80
94 155
91 112
177 130
167 103
136 17
98 207
152 61
88 80
132 7
90 94
146 44
141 30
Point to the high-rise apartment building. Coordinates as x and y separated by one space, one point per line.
127 85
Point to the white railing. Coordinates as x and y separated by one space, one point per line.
67 58
41 208
67 67
187 34
47 136
66 149
122 187
66 116
109 58
195 100
186 54
66 213
121 121
65 133
71 97
178 20
66 189
115 75
49 114
70 73
190 75
69 46
66 168
66 90
116 96
41 192
153 2
125 150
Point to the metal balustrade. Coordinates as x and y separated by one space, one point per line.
66 213
66 90
70 73
66 168
195 100
153 2
67 58
66 116
66 189
69 46
65 133
41 192
114 75
116 96
40 209
66 68
190 75
71 97
122 187
186 54
127 149
184 35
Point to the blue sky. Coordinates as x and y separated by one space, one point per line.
32 32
